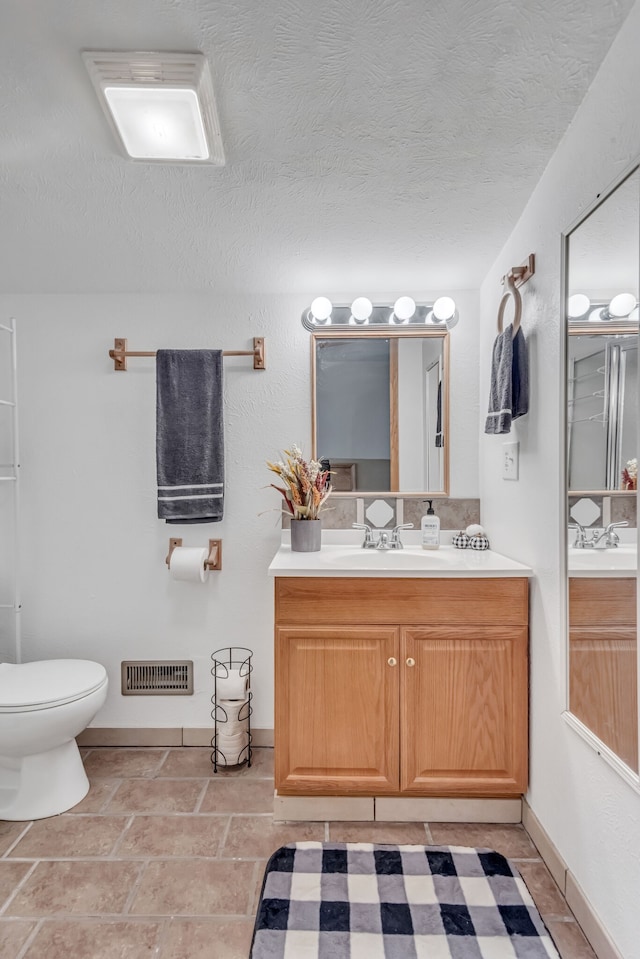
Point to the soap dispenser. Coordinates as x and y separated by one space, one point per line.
430 528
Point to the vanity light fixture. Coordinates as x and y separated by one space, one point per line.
160 106
321 310
620 306
405 312
579 305
403 309
361 310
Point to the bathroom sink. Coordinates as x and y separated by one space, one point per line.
599 562
374 559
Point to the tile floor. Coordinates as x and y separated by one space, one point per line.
164 860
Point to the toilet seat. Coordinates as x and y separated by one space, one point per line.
25 687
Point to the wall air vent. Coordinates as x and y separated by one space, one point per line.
157 677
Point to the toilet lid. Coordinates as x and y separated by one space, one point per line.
48 683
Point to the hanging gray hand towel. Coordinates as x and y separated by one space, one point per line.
519 377
501 392
189 436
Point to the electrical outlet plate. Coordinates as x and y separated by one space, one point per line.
510 460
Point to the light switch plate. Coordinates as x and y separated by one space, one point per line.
510 460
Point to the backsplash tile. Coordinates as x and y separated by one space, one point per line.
624 507
453 513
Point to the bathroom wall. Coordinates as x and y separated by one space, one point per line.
95 584
590 813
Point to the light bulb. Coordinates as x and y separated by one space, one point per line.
361 309
578 305
403 309
444 308
321 308
621 305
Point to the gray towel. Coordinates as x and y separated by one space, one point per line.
189 436
509 394
520 377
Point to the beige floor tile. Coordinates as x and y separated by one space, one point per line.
508 840
383 832
63 837
261 766
11 874
192 939
99 792
81 939
236 795
116 763
549 900
194 887
9 832
257 837
75 888
156 795
570 941
163 836
189 763
13 935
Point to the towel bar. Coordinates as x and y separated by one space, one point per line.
119 353
213 560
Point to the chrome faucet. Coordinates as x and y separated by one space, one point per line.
368 542
608 537
396 542
382 541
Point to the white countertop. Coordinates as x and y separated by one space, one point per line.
342 555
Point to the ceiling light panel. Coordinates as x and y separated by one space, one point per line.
160 106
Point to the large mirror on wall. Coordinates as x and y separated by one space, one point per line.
380 410
601 315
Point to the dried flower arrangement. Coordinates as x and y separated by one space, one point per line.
630 475
307 484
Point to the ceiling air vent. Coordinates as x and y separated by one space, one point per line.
157 677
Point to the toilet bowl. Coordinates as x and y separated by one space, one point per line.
43 707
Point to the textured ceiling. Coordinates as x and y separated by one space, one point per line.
370 144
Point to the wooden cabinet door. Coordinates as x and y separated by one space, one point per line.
464 709
337 710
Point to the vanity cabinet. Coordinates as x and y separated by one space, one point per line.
411 687
603 661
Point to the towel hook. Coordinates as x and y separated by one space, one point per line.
517 300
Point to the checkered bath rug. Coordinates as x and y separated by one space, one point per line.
365 901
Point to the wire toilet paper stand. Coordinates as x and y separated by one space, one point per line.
231 714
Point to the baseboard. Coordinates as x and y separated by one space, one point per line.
395 809
585 914
159 736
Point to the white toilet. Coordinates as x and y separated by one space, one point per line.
43 707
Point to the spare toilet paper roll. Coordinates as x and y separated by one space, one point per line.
232 686
235 712
187 564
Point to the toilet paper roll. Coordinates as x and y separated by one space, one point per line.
233 710
233 686
187 564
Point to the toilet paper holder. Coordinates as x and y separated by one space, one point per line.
213 560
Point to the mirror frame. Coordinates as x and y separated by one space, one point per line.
610 757
395 334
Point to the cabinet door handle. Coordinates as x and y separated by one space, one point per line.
392 661
411 662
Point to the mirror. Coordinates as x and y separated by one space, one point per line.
380 410
601 284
